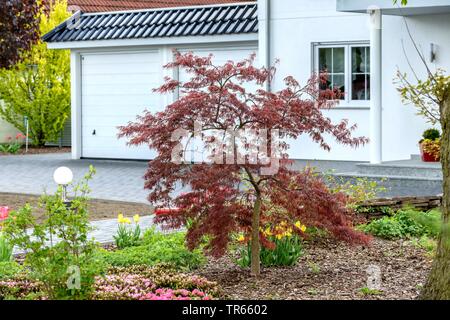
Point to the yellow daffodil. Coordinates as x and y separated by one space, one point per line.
279 236
303 228
298 225
127 221
136 218
120 218
241 238
268 232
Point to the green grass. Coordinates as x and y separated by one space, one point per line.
370 292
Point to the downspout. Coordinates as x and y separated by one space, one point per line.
376 97
264 34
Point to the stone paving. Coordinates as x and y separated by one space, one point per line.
32 174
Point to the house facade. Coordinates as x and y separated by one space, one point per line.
117 59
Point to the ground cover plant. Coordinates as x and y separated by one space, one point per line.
156 248
407 223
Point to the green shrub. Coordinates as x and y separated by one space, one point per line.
431 134
66 269
157 248
406 224
9 270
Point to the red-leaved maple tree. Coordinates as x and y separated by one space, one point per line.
227 197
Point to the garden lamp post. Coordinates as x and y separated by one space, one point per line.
63 176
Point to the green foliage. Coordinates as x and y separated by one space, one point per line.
370 292
359 189
156 248
39 85
427 95
6 249
431 134
406 224
9 270
56 265
403 2
287 251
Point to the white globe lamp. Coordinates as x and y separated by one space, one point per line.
63 176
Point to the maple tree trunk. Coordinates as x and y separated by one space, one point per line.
438 283
255 244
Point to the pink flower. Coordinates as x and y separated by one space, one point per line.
4 213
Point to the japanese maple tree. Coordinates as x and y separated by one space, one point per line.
226 196
19 28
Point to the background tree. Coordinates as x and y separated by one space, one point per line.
39 85
19 28
432 97
218 205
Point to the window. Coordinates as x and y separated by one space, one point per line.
348 68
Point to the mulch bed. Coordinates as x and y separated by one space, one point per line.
98 209
34 150
329 270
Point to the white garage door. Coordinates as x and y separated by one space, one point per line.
115 89
118 87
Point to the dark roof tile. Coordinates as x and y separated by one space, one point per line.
189 21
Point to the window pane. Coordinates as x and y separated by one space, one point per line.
325 59
360 73
339 83
359 87
358 60
368 87
338 60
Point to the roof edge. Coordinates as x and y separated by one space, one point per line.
72 20
173 8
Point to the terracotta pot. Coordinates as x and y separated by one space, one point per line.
427 157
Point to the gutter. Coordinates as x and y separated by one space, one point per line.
264 15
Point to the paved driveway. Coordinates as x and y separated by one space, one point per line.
115 180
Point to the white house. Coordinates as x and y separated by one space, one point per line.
117 59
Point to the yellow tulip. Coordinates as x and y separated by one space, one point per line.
268 232
136 218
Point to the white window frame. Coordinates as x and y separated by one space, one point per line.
347 101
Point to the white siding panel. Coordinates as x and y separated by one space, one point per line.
116 88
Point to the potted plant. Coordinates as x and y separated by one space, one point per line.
430 146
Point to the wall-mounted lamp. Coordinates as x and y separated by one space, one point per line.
433 49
